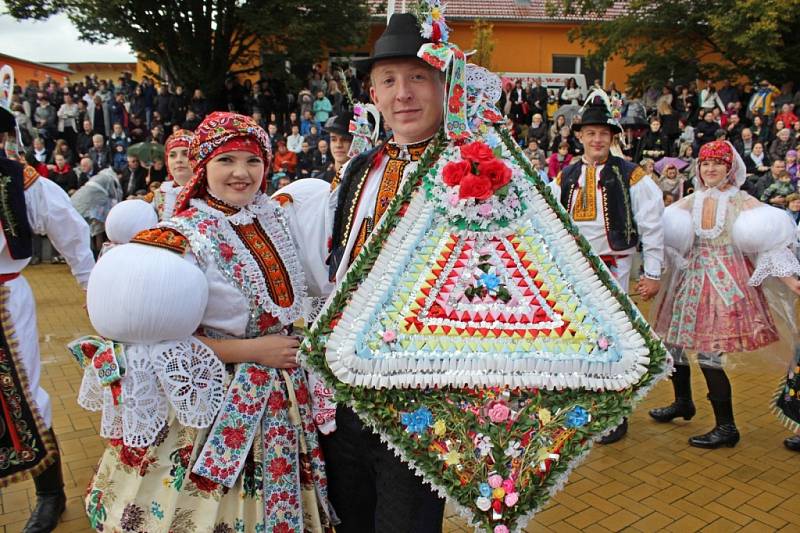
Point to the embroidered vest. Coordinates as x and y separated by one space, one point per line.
614 184
13 212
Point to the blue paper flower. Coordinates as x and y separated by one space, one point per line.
417 421
490 281
577 417
485 490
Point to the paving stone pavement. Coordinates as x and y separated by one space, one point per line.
650 481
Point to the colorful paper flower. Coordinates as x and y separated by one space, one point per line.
451 458
577 417
490 281
389 336
500 529
544 416
495 481
513 449
483 503
439 428
498 412
484 444
417 421
485 490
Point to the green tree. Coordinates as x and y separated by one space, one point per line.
483 43
197 43
682 40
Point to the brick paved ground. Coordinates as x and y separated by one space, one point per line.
650 481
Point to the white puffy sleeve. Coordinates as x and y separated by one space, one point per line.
678 234
648 207
146 302
309 205
51 213
769 234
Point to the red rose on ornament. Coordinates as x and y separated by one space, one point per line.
226 251
454 103
477 152
258 376
477 187
497 172
454 172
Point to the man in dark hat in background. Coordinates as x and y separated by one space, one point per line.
370 488
338 127
31 204
615 205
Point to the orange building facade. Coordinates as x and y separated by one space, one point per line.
25 70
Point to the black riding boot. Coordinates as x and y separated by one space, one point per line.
719 393
50 500
683 406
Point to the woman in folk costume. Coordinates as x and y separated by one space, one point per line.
179 172
195 445
714 303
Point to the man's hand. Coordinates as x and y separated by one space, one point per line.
647 288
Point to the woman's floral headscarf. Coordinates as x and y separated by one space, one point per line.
222 132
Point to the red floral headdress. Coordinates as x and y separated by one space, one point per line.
179 139
222 132
718 150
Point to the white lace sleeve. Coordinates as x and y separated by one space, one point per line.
778 263
193 378
185 375
769 234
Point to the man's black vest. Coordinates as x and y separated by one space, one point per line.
349 191
13 213
615 181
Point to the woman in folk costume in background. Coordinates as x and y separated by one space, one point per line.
714 303
179 172
196 445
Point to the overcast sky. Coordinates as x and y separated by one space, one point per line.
54 40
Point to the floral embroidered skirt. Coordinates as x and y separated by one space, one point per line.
712 308
153 489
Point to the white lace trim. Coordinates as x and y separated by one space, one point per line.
778 263
723 198
184 375
193 379
270 214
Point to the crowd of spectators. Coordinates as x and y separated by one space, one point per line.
75 129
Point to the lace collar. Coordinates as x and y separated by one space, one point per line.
235 215
722 198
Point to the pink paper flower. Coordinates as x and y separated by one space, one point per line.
389 336
485 210
511 499
508 485
495 481
500 529
498 412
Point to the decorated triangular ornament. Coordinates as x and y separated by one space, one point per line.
476 332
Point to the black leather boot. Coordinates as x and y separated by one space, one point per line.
619 432
683 406
724 433
50 500
793 443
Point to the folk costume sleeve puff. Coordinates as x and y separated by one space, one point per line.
768 234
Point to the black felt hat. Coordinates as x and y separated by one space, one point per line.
401 38
597 113
339 124
8 124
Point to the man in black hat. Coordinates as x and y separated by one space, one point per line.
30 204
338 127
370 488
615 205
